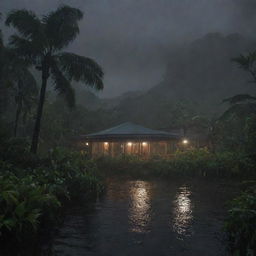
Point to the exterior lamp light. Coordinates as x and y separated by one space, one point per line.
87 144
129 144
185 142
106 145
144 143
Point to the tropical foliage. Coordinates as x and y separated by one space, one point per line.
241 223
192 163
243 103
33 190
40 41
16 80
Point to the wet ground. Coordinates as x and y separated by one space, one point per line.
148 217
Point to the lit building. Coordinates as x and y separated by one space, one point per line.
131 139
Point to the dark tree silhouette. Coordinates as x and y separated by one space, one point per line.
242 105
2 87
15 77
25 96
41 41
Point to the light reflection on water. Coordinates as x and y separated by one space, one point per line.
139 210
120 222
182 212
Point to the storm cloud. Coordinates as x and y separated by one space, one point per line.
131 39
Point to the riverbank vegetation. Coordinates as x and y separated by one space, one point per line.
191 163
241 222
35 190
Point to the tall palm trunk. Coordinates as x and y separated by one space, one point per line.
36 132
17 117
4 97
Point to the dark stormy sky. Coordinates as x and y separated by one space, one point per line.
131 38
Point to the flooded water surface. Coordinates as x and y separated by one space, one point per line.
141 217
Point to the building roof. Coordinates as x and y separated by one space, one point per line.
130 131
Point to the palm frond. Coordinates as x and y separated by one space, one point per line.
26 92
29 82
16 70
25 22
61 26
82 69
15 59
246 61
239 98
62 85
238 110
24 47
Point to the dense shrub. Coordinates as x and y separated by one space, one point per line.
23 202
31 196
241 224
198 162
17 152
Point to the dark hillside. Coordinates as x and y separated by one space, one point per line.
201 73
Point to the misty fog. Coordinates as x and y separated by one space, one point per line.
133 39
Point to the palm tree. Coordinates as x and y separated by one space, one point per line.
1 37
242 105
25 96
41 42
2 88
21 83
15 76
247 63
231 125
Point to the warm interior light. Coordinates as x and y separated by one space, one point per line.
87 144
185 141
106 146
129 144
144 143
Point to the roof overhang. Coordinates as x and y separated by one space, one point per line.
130 131
133 137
